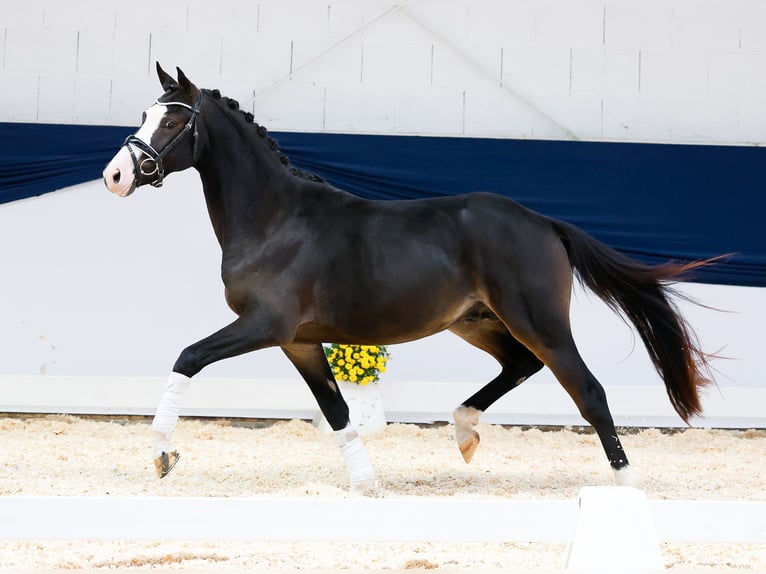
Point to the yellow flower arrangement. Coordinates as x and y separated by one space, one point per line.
360 364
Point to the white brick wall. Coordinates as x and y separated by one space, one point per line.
658 70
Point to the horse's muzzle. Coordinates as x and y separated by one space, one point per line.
119 174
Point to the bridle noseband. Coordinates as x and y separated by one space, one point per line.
154 161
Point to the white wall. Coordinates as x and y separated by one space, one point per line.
95 285
657 70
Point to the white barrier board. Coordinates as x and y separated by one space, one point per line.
354 519
418 402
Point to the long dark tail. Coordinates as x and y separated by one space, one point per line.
642 292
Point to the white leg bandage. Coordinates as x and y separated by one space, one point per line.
166 418
358 464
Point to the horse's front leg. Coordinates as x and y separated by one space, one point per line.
312 364
248 333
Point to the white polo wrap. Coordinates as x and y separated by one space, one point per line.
166 418
358 464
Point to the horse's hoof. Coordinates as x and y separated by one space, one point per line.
164 463
469 446
368 487
625 477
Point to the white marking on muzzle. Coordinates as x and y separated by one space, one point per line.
119 174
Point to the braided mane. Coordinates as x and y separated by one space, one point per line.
233 105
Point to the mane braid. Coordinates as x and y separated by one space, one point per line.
263 132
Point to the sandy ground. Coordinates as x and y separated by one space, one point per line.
63 455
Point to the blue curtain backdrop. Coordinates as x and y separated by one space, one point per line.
650 201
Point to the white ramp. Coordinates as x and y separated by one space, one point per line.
614 533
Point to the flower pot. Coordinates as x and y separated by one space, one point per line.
365 408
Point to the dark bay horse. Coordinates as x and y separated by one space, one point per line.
480 265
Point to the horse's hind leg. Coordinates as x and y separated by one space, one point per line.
312 364
536 312
567 365
518 363
550 338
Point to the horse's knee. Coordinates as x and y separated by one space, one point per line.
189 362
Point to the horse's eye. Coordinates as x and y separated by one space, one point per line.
169 125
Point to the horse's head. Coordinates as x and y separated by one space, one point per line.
165 142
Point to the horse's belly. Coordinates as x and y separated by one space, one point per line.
369 324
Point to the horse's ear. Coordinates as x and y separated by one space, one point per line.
166 80
186 85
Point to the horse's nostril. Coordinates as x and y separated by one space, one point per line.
116 176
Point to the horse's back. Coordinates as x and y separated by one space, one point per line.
457 236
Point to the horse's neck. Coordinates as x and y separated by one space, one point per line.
243 182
